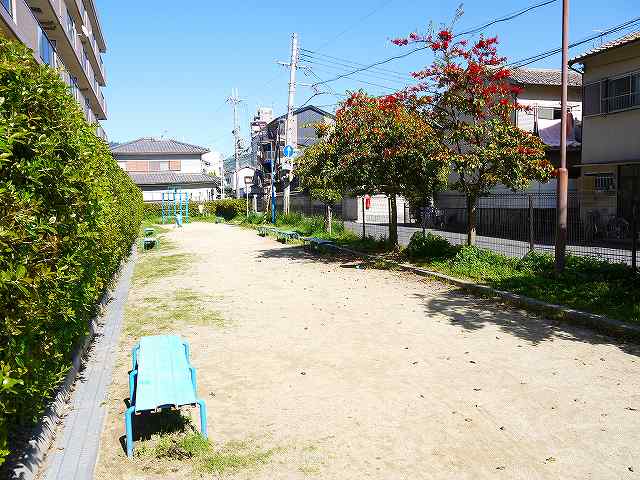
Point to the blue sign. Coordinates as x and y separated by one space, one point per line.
288 151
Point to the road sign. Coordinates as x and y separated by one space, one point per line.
248 180
288 151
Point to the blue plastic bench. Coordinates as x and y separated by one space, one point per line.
161 377
284 235
315 243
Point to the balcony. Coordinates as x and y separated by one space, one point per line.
76 53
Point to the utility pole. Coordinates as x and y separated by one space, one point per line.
291 133
563 173
234 100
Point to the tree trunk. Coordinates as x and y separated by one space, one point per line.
393 221
328 218
472 210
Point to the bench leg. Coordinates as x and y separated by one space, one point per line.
193 378
132 383
203 418
134 357
128 421
186 351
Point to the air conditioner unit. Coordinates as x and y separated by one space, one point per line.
85 32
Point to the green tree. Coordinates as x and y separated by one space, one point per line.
317 173
471 104
384 147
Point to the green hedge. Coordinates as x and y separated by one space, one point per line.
227 208
68 216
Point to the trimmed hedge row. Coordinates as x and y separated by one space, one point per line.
227 208
68 217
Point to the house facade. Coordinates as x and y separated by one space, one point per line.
159 166
610 181
268 142
65 34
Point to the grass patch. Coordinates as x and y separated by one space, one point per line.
180 445
153 314
155 264
586 284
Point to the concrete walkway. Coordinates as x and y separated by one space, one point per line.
74 454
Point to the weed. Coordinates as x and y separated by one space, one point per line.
155 265
152 314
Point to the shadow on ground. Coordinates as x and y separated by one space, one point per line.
148 424
473 313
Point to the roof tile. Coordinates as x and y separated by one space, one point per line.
632 37
171 178
152 145
544 76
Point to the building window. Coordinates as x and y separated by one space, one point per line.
71 28
7 6
612 95
603 182
549 113
46 48
164 166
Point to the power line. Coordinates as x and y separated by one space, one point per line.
350 63
347 66
506 18
540 56
367 74
397 57
351 25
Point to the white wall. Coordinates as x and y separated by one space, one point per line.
195 194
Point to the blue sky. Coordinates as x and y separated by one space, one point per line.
171 65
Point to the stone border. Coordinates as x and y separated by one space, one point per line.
599 323
29 464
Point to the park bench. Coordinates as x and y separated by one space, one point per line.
161 377
148 243
148 232
220 220
263 230
315 243
285 235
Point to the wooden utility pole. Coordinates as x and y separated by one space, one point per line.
563 173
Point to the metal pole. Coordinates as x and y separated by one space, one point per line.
187 209
273 178
364 226
634 240
291 133
563 174
234 100
532 243
162 208
247 192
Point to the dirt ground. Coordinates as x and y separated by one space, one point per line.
327 370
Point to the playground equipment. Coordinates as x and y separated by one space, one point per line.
175 204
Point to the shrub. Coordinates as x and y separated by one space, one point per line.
68 216
429 246
226 207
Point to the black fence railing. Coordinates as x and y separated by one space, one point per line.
512 224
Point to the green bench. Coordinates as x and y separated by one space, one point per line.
148 232
220 220
162 377
285 235
148 243
315 243
264 230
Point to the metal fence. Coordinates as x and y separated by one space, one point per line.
517 223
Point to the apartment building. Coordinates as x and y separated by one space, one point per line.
611 144
64 34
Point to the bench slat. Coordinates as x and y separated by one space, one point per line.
164 374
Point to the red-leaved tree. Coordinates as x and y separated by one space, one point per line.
471 106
